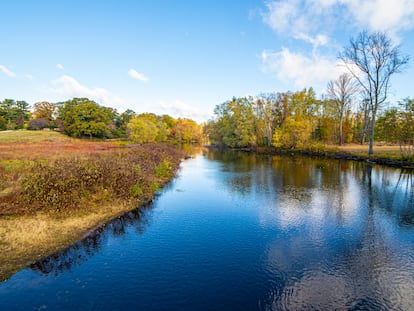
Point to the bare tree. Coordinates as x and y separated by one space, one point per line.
372 59
266 111
341 91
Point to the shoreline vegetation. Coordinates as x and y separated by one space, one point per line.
387 155
55 189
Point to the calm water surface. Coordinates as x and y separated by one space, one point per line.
243 232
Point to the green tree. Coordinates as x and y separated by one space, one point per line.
124 119
15 113
406 128
83 117
387 126
3 123
237 123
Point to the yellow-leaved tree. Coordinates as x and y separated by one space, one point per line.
294 133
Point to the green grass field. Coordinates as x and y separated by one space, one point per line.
21 136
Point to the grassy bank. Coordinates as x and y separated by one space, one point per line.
383 154
53 189
389 155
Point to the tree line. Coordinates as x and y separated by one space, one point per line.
299 119
82 117
351 110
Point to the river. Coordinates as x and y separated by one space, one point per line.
236 231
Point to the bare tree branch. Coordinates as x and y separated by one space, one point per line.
376 60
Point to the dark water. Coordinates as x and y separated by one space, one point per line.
243 232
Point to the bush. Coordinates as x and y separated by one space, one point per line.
317 147
38 124
164 169
132 175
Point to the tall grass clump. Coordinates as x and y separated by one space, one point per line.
127 175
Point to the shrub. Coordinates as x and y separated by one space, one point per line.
164 169
132 175
38 124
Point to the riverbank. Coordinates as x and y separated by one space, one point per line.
54 190
383 155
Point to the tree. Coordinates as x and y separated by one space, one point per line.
237 123
44 110
14 113
142 130
372 60
341 91
266 113
406 128
83 117
387 126
294 133
186 131
3 123
125 117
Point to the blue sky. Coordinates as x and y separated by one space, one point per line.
184 57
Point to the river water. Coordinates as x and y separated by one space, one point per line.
236 231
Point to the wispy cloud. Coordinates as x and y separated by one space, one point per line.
300 19
28 76
136 75
179 109
69 87
8 72
60 66
303 70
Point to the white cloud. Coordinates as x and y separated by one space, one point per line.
300 19
178 109
28 76
60 66
317 41
382 15
281 15
5 70
314 22
136 75
302 70
69 87
304 19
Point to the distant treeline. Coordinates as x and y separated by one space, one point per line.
299 120
82 117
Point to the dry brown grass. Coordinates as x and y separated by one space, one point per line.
383 151
34 145
27 238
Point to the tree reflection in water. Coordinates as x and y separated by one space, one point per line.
298 178
349 196
81 251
